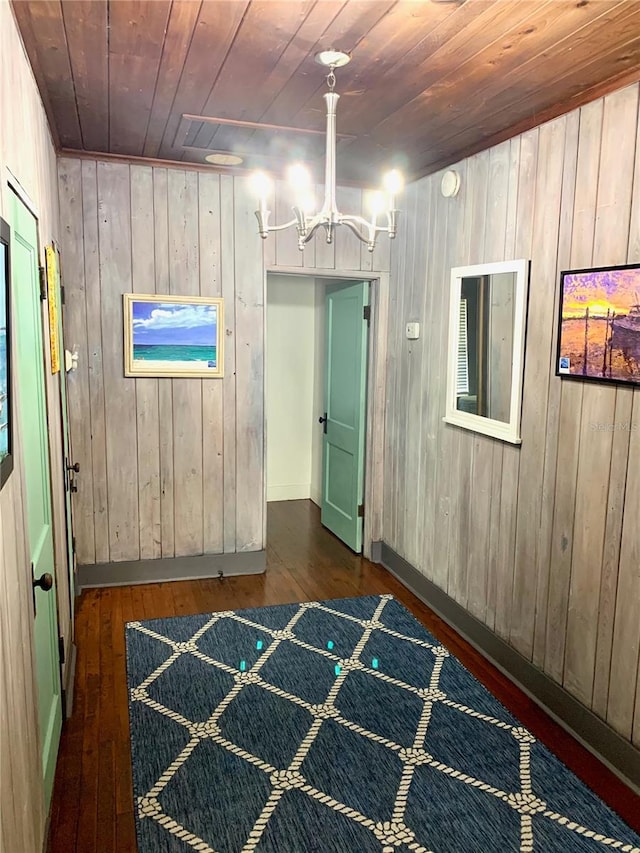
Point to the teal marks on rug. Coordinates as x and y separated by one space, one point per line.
337 727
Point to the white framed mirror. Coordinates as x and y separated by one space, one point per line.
487 320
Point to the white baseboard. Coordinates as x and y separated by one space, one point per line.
316 496
293 492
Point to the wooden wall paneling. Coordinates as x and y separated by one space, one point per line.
570 433
390 461
376 406
544 563
114 231
450 212
212 389
143 273
498 209
623 684
593 505
393 426
249 329
228 270
70 184
636 723
416 387
550 445
484 502
620 700
165 386
453 438
428 292
463 508
634 256
400 438
97 412
536 381
620 449
184 279
349 201
519 238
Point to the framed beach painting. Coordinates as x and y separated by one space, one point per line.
599 324
173 336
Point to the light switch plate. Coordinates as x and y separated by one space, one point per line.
413 331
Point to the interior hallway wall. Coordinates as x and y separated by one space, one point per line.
540 542
173 467
290 368
27 150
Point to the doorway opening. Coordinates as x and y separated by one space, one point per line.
317 355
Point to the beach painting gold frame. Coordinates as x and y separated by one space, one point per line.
173 336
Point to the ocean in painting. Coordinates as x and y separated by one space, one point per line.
175 353
4 409
611 356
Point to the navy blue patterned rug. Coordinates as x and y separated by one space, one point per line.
337 727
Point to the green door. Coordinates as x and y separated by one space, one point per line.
345 411
32 429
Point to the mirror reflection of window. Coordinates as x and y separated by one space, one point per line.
485 346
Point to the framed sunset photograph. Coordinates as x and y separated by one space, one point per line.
173 336
599 324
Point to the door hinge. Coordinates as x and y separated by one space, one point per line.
62 295
73 544
43 284
61 648
367 314
361 511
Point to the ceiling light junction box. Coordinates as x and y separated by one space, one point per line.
413 331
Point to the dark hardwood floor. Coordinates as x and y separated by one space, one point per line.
92 802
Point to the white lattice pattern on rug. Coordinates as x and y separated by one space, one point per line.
390 834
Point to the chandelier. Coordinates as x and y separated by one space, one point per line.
307 223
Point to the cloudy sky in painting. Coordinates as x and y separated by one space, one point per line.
616 290
169 323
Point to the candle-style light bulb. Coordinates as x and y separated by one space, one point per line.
376 203
261 184
393 184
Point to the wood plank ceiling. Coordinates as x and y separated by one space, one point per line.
429 81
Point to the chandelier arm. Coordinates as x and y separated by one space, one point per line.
353 226
291 222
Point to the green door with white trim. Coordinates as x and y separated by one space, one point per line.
31 426
345 411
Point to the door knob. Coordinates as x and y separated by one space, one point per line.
45 582
323 420
75 467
